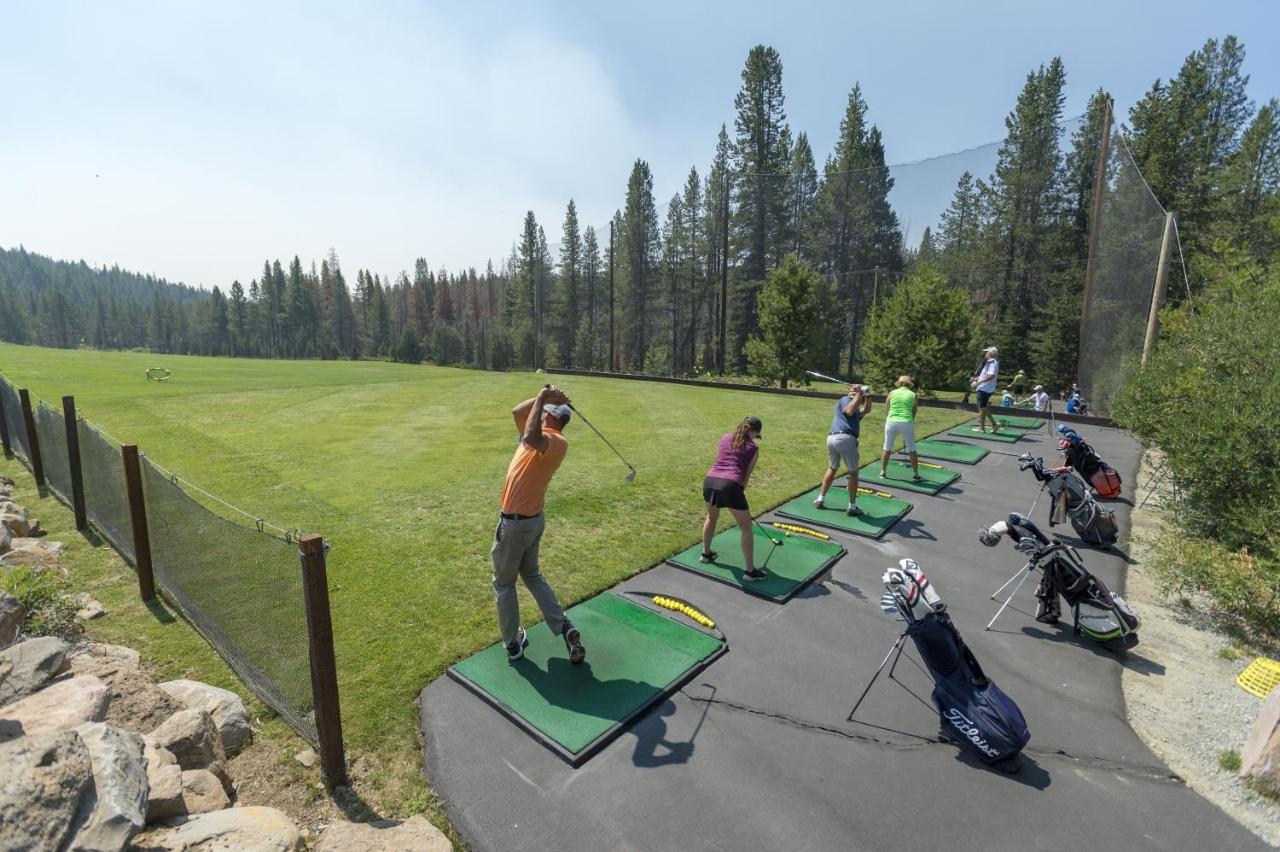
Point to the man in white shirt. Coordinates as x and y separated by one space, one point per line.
985 384
1040 399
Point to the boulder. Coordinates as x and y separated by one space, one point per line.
387 835
57 548
89 607
164 782
120 788
17 524
202 792
59 706
9 506
34 558
252 829
193 739
35 662
1260 760
45 789
307 757
224 706
6 538
12 616
137 704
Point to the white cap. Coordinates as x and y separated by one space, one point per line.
989 349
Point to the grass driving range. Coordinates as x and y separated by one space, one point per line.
400 467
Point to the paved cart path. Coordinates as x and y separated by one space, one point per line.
775 765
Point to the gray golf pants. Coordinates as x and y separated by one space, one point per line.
515 554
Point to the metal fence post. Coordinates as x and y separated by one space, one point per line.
138 520
33 441
324 669
4 429
73 460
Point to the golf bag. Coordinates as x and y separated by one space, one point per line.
1096 611
972 708
1070 501
1082 458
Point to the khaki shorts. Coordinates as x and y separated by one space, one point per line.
842 447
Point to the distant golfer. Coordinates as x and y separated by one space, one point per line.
1006 398
520 522
900 408
985 384
1040 398
1019 382
725 488
842 444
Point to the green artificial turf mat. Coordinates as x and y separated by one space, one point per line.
928 448
972 432
635 658
1020 422
791 566
878 513
934 478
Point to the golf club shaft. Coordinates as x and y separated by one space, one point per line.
776 541
826 378
598 434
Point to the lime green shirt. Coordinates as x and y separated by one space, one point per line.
902 405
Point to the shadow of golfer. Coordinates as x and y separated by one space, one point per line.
651 735
578 690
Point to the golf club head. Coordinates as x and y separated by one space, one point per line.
631 477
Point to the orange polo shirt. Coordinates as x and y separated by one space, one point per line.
530 473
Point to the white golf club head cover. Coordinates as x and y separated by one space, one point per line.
910 582
990 536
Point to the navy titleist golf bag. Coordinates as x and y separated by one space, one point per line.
1095 610
1070 500
973 710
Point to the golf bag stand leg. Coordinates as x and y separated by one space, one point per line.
898 645
1026 572
1015 576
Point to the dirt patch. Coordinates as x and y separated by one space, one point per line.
1194 711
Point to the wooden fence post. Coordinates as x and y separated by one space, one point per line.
33 441
73 459
324 669
138 520
4 429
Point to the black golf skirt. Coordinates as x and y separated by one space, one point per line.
724 493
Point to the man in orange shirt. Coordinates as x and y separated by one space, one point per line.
521 522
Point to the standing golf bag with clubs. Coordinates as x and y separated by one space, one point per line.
1082 458
1096 611
972 708
1070 500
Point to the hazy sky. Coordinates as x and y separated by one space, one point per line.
194 140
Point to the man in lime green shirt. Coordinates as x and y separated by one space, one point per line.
900 419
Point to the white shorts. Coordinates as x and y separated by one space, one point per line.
906 429
842 447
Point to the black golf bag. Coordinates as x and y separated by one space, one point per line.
973 710
1084 460
1096 612
1070 501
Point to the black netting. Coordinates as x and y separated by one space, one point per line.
1128 255
51 432
241 588
105 497
13 419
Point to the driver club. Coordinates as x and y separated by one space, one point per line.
631 477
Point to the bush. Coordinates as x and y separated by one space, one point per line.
50 608
924 330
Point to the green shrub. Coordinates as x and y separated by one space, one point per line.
1245 587
923 330
1229 760
50 609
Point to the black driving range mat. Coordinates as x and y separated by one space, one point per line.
928 448
791 565
933 478
879 513
967 431
636 657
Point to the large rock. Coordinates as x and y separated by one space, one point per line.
252 829
1260 760
46 790
89 607
202 792
59 706
6 539
12 616
35 663
17 524
164 782
224 706
387 835
193 739
120 788
57 548
34 558
137 704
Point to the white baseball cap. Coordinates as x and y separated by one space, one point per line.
989 349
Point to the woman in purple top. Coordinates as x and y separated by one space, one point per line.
724 488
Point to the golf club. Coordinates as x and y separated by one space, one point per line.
777 542
827 378
631 477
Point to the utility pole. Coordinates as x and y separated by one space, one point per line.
1091 266
612 365
1160 288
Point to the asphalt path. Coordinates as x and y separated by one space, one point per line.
756 752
